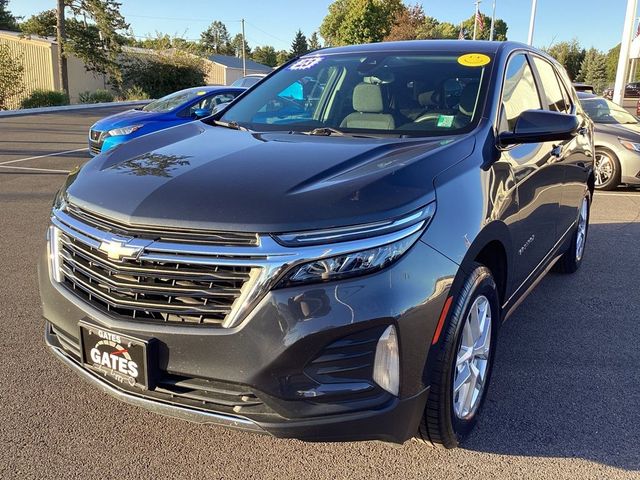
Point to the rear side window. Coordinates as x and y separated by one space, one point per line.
555 98
519 92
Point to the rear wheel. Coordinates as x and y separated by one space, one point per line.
606 170
572 258
463 362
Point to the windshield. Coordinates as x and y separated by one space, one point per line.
425 94
173 101
602 110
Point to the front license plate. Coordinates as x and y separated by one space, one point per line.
120 358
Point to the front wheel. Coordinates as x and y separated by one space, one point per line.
606 169
464 358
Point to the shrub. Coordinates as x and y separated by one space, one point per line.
161 73
99 96
135 93
11 78
45 98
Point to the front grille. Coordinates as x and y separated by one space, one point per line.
95 149
158 284
167 234
152 291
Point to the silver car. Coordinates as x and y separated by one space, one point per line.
617 142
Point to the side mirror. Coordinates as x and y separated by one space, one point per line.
201 113
535 126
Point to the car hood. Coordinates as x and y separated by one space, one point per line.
199 176
629 131
124 119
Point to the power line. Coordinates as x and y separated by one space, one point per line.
181 19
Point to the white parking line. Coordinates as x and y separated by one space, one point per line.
43 156
614 194
35 169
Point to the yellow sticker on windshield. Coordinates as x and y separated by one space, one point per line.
473 59
201 93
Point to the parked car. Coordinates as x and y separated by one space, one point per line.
174 109
248 80
617 142
334 269
631 90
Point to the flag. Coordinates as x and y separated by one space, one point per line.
479 20
638 30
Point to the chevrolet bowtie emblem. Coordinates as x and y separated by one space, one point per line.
119 250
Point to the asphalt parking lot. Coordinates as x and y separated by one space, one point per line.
564 400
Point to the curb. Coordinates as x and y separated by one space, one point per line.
65 108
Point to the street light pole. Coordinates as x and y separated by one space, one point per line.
244 53
625 45
493 21
532 21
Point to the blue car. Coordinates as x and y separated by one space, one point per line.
174 109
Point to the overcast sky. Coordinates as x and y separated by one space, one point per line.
595 23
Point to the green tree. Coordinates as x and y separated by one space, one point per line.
408 21
359 21
42 24
299 45
266 55
570 55
7 20
282 57
93 33
314 42
593 69
500 28
216 39
11 77
236 46
612 63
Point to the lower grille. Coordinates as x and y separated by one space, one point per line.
95 149
192 392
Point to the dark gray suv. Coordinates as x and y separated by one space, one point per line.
332 255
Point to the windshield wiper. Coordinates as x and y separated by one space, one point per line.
232 125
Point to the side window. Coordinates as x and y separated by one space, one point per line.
209 103
555 98
519 92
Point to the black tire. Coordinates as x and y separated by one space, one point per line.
570 261
614 180
440 426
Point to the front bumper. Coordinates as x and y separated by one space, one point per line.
272 357
630 166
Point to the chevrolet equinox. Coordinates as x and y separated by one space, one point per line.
330 256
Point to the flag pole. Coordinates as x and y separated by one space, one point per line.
475 19
532 21
493 21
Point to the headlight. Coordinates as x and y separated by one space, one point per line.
123 131
630 145
405 231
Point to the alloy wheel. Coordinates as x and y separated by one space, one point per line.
582 228
604 169
472 360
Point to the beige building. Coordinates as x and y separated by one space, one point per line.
39 56
224 69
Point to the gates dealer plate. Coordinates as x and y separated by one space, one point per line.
123 360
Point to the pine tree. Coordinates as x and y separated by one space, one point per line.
299 45
7 20
216 39
593 69
314 42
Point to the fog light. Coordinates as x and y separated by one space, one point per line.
386 367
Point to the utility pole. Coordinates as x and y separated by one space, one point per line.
623 60
532 21
475 19
493 21
61 36
244 54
